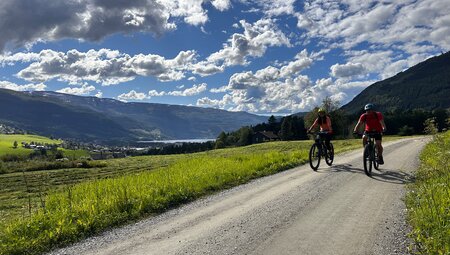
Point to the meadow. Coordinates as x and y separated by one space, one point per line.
18 159
7 141
428 200
45 209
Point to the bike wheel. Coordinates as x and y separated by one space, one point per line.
367 161
314 157
329 155
376 165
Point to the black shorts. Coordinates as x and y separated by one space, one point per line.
377 136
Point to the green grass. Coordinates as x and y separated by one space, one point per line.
428 199
7 141
82 202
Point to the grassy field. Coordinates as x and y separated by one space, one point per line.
7 141
71 204
428 199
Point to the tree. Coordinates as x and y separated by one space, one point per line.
272 123
15 144
245 136
298 128
221 140
286 129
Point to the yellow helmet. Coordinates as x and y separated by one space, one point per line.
321 110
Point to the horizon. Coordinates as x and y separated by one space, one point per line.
261 57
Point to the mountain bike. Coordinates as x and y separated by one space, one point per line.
370 155
318 150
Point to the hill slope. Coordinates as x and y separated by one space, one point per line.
91 118
425 85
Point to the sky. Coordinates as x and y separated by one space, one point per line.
263 57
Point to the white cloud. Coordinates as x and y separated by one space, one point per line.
99 94
22 57
347 70
194 90
26 87
255 40
348 23
106 67
270 89
221 5
132 95
219 90
154 93
83 90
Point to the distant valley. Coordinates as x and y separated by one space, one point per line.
113 121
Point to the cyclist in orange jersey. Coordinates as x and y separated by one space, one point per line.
324 123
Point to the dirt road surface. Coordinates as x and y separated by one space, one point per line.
336 210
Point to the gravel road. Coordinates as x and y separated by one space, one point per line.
336 210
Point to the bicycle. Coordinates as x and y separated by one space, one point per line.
370 154
318 150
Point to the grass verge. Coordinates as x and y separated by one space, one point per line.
428 199
72 212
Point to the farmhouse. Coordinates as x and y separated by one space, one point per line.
265 136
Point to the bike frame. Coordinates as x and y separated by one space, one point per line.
322 151
371 149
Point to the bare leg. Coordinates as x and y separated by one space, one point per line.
379 147
364 140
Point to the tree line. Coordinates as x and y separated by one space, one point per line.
293 127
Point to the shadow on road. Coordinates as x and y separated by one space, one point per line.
384 175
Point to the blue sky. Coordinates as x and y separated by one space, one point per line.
266 56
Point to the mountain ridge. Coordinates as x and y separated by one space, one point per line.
425 85
63 115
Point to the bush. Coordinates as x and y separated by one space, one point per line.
406 130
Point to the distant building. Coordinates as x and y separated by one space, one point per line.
265 136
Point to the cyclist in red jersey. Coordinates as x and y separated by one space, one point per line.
374 122
324 122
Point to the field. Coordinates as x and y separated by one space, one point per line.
7 141
428 199
70 204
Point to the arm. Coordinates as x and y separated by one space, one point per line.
313 125
383 125
357 126
381 118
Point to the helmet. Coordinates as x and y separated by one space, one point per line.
369 107
321 110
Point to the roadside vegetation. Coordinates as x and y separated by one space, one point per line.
428 200
54 208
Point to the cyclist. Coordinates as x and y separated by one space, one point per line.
324 122
374 122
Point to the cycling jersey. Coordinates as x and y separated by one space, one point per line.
324 126
372 121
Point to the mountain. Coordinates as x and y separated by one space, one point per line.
423 86
109 120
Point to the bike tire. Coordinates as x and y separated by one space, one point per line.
329 156
376 165
314 157
367 161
